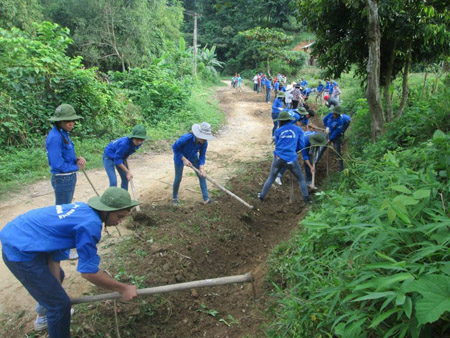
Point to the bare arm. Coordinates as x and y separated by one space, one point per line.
101 279
124 168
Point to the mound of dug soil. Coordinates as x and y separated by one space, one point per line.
175 244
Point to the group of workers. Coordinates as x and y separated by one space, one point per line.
293 132
34 244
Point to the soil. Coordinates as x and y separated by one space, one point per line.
163 244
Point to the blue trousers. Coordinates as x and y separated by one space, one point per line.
268 94
110 168
64 187
294 167
179 176
36 277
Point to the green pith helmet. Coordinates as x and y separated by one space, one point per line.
318 139
284 116
302 111
112 199
281 94
139 132
64 112
336 110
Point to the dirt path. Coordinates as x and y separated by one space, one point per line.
245 137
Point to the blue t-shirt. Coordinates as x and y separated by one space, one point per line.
277 106
307 150
61 156
54 230
119 150
268 84
186 146
336 126
288 140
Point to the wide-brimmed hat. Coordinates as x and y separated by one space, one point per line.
139 132
318 139
64 112
285 116
203 131
302 111
113 199
281 94
336 110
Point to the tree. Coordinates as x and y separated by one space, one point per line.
118 34
410 32
19 13
267 44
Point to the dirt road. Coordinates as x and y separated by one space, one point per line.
245 137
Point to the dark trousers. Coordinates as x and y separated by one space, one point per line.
36 277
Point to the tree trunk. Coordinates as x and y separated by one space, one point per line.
405 89
388 83
424 83
373 70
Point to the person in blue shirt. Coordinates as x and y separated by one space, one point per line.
190 150
268 84
61 154
34 243
320 91
346 119
303 83
276 87
288 141
239 82
277 106
334 126
117 152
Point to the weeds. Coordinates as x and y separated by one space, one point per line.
372 261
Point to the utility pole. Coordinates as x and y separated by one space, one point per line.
196 16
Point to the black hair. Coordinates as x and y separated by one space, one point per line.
282 123
66 141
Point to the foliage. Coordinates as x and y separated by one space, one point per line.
156 90
261 46
36 76
221 21
421 118
207 58
341 37
20 14
373 259
117 34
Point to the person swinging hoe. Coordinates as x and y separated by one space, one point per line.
34 243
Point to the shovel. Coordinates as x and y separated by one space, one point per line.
169 288
223 188
138 208
314 156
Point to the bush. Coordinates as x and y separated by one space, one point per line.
373 260
36 77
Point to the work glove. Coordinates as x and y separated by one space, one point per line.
327 130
